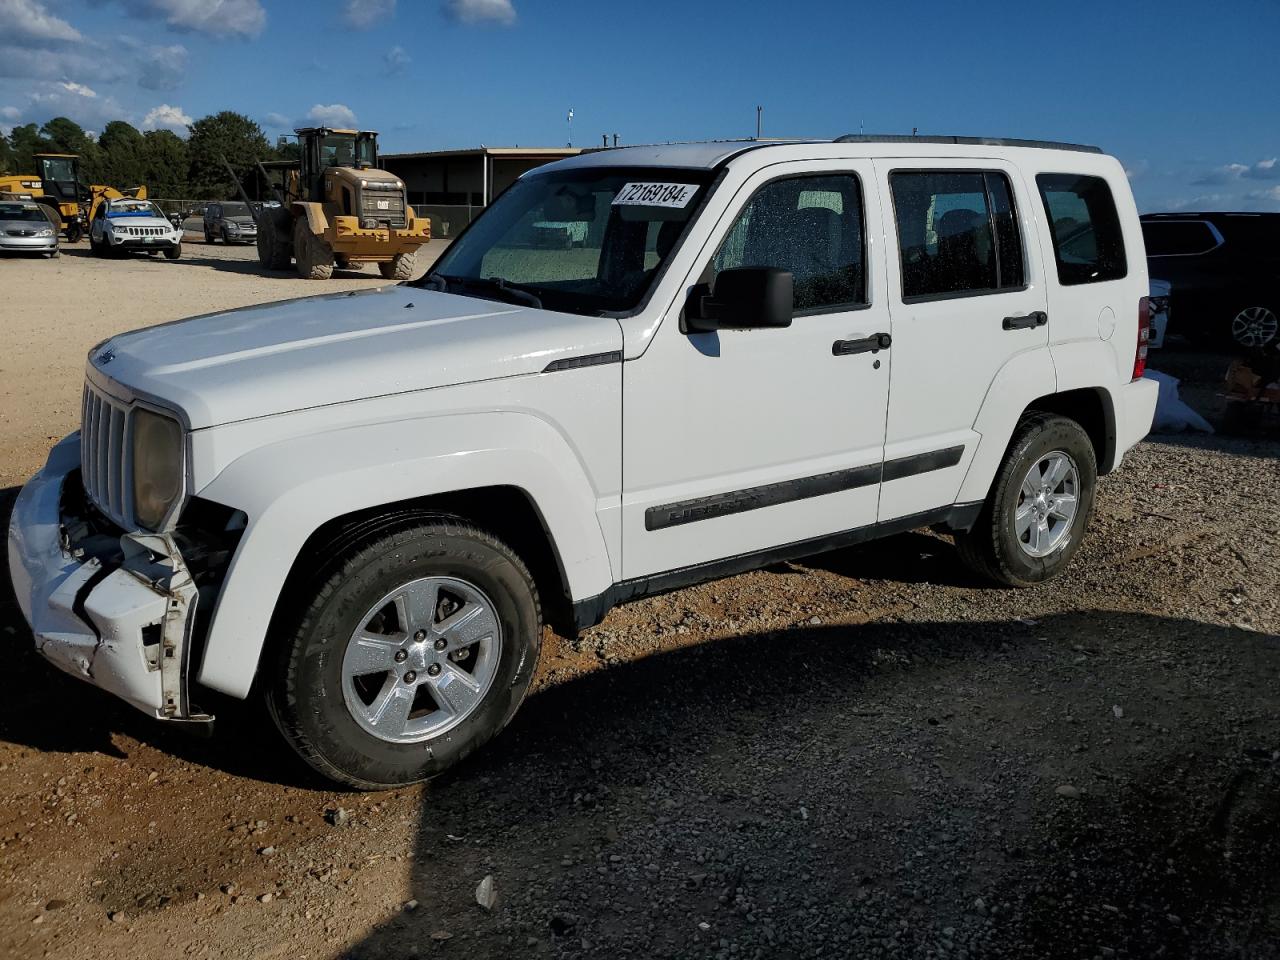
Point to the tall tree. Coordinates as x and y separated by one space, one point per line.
226 134
26 141
122 152
7 160
165 165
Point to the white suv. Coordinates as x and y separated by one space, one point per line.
639 369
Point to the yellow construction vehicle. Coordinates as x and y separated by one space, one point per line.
337 207
58 187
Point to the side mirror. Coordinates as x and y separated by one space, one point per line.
744 298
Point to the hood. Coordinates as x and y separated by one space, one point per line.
339 347
140 222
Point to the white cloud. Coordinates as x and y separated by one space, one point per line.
220 18
1271 193
480 11
1137 169
166 117
363 14
278 121
396 60
1262 170
10 113
332 115
157 67
79 89
72 100
31 20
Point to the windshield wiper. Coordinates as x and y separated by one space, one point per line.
507 289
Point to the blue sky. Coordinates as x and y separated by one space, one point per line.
1184 93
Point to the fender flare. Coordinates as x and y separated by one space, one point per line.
1023 378
289 490
314 215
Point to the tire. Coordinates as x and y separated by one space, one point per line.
99 249
399 267
174 252
313 256
74 232
994 549
309 687
341 262
51 254
272 254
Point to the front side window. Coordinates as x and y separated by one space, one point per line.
810 226
583 241
957 233
1087 240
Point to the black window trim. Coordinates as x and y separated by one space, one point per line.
995 239
1218 238
1053 238
705 275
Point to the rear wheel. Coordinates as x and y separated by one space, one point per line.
1255 327
399 267
411 653
313 256
1035 516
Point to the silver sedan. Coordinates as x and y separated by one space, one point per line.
26 228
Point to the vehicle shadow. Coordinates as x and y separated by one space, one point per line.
781 780
915 557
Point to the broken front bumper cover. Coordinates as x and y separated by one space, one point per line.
120 618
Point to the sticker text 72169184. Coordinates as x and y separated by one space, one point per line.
675 195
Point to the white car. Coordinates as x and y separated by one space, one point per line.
366 505
129 225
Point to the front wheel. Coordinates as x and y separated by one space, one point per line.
74 231
399 267
410 654
1255 327
1035 516
174 252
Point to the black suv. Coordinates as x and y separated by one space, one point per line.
231 222
1225 272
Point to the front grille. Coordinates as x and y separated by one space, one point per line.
144 231
392 214
22 233
104 464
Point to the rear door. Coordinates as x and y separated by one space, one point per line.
965 298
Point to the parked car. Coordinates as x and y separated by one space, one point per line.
231 222
367 505
25 227
129 225
1224 269
1160 311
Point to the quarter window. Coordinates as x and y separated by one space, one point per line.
957 233
1087 240
811 226
1177 238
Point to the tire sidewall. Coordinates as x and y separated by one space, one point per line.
314 663
1057 435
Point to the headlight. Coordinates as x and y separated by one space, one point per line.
46 232
234 228
157 467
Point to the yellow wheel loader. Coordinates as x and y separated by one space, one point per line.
58 187
337 207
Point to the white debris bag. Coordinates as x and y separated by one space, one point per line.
1172 415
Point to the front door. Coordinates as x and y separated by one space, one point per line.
740 441
966 299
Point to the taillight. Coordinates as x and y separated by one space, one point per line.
1144 337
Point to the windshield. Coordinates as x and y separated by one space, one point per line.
582 241
235 210
22 211
133 208
339 150
58 169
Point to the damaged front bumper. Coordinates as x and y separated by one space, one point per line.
115 610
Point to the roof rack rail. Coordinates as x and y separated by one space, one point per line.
971 141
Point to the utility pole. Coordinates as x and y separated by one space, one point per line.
759 111
569 121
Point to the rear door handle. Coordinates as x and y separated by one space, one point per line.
1030 321
872 344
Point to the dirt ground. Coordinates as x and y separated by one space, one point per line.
865 754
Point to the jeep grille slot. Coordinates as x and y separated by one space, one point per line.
103 459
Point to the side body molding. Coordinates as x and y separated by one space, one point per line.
289 489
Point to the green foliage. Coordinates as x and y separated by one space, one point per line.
8 163
224 135
165 165
122 156
25 141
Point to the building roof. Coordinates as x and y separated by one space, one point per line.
515 153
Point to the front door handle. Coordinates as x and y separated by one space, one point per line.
872 344
1037 319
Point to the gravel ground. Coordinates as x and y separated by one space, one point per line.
863 754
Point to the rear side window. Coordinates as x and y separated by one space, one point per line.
957 233
1178 238
811 226
1087 240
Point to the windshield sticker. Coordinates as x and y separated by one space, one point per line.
674 195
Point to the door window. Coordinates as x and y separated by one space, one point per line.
957 233
810 226
1087 240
